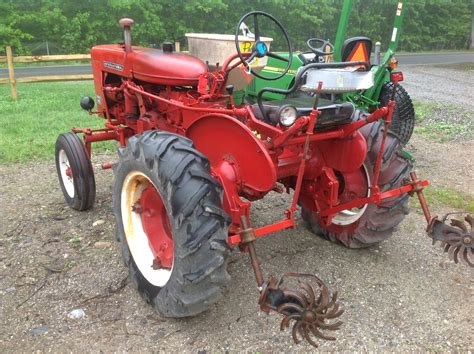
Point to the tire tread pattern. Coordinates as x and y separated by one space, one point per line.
379 221
182 176
81 169
403 118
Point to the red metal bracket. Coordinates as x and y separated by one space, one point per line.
408 188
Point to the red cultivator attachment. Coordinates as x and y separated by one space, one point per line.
192 161
308 305
457 239
311 309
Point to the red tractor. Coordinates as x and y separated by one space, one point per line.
191 162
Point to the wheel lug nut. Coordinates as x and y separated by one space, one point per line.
156 264
137 208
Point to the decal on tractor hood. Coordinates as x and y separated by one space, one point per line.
114 66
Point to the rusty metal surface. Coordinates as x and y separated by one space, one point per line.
457 239
311 309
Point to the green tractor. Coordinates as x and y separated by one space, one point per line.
384 70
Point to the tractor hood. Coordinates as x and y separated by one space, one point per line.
150 65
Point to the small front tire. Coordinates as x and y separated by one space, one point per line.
75 172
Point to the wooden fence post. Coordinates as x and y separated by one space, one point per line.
11 73
177 47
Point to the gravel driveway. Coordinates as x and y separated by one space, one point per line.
402 295
444 84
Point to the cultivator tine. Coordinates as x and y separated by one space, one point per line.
457 239
311 308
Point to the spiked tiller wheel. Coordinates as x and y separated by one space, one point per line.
456 239
311 309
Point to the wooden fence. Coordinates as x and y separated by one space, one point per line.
11 60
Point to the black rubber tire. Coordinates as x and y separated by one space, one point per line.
403 118
81 170
378 221
199 225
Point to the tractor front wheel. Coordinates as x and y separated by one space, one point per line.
172 228
75 172
371 223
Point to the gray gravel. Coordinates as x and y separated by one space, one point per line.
440 84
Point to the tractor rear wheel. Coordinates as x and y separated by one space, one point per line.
75 172
372 223
172 228
403 118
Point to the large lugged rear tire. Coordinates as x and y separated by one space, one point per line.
166 202
377 222
403 118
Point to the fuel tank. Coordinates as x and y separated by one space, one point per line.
148 64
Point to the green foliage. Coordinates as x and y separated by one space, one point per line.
75 241
72 26
437 25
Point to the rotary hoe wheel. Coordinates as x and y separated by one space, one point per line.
371 223
170 223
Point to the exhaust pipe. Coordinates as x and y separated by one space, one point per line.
127 23
377 53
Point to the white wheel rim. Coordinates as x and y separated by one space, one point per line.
349 216
137 240
66 173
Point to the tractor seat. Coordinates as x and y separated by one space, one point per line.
332 114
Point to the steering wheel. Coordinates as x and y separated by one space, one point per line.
312 42
260 49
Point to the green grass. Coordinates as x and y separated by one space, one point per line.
441 131
423 109
30 126
449 197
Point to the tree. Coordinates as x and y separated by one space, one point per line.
74 26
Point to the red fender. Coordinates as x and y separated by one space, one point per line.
223 138
345 155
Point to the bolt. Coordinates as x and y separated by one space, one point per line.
156 264
137 207
309 316
467 240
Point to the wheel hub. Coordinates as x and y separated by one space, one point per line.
353 186
66 173
156 225
147 228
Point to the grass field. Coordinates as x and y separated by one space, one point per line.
30 126
442 122
449 197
